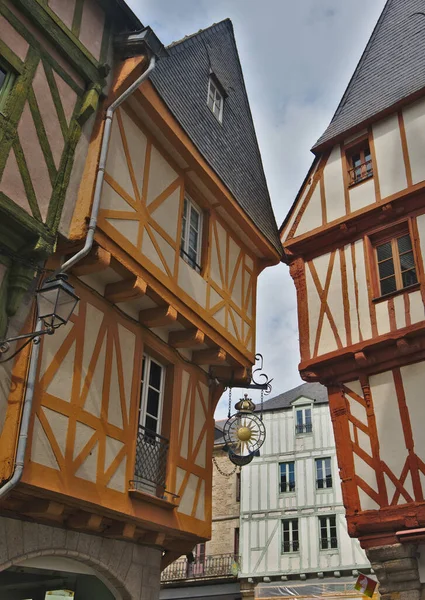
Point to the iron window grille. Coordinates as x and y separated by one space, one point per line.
304 428
151 461
202 567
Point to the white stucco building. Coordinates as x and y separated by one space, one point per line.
292 526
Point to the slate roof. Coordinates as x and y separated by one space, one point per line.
230 147
391 68
313 391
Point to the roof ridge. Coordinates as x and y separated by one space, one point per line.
192 35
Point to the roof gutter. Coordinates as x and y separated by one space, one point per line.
144 37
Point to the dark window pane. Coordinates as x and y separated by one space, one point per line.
2 77
388 285
155 375
404 243
356 160
153 402
384 251
386 268
332 521
409 278
151 424
334 542
299 417
308 416
407 261
328 481
367 156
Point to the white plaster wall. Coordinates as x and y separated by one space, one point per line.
414 125
312 216
263 507
389 156
362 194
334 186
192 283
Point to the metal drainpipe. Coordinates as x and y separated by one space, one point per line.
32 372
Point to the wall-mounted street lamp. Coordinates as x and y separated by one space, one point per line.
56 301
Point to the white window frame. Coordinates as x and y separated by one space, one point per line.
324 472
144 389
290 541
286 468
303 409
328 533
214 98
184 239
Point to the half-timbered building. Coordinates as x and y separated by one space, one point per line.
355 243
171 228
293 534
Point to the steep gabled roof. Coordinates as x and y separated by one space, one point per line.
313 391
391 68
230 147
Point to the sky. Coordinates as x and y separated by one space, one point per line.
297 58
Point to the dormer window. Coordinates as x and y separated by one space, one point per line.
215 99
191 237
359 161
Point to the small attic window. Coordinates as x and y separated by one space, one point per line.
215 99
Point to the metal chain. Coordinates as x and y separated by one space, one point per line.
262 402
223 472
230 403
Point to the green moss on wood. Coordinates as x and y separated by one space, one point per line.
56 98
89 107
26 179
77 18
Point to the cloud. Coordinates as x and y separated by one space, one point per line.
297 58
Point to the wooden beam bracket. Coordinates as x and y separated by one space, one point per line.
97 260
125 290
158 317
187 338
210 356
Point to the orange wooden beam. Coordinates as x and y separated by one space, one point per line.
188 338
158 317
210 356
97 260
125 290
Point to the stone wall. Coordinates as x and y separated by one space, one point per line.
130 571
225 508
396 568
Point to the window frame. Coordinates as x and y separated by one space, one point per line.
238 486
306 429
143 396
391 234
212 82
288 483
291 543
329 537
184 235
8 83
324 479
358 146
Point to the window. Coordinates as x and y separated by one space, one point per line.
323 473
6 82
328 539
238 487
290 541
191 240
359 161
215 100
395 262
303 422
151 396
287 477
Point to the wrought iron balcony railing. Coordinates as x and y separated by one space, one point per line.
304 428
207 567
151 462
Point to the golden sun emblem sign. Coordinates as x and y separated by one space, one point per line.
244 432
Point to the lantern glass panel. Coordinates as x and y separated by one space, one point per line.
55 302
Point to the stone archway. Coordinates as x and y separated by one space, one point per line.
129 571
